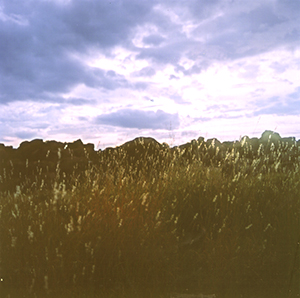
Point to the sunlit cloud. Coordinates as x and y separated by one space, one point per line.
113 70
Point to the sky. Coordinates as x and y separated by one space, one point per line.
109 71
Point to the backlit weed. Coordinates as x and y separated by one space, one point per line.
163 224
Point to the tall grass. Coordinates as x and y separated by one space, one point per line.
126 230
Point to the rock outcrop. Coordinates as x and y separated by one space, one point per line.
36 162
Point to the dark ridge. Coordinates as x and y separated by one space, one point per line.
36 160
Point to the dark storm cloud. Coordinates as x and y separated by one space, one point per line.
288 8
168 54
44 43
128 118
225 30
39 52
153 40
241 32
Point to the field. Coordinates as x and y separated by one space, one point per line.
165 224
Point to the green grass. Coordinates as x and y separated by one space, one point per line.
167 227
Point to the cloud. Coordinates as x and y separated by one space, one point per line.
277 106
169 54
296 94
154 40
149 98
172 77
201 119
40 54
234 31
139 119
44 44
178 99
25 134
63 61
279 67
79 101
147 71
292 108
